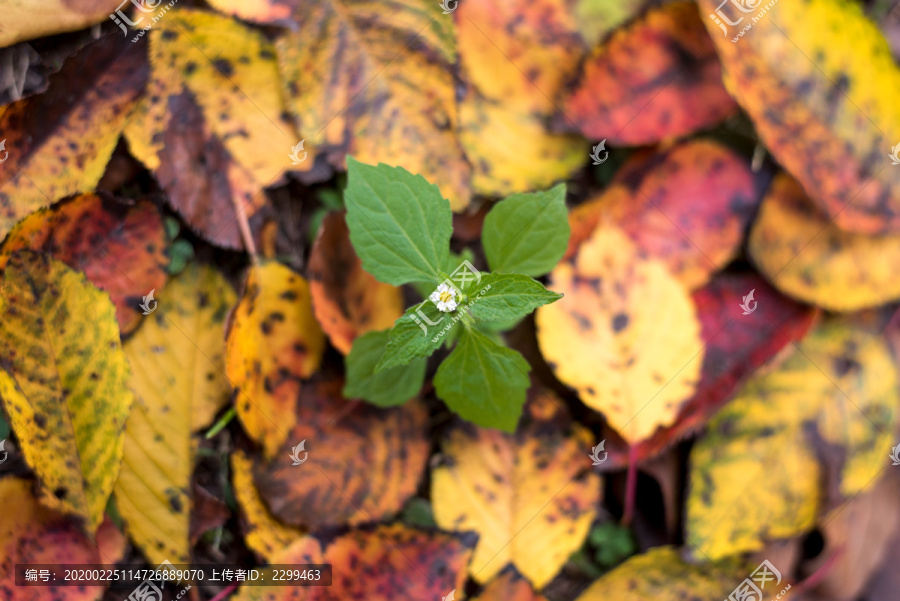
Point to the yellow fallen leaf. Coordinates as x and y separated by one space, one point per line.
530 496
755 475
808 257
625 335
274 342
64 382
177 362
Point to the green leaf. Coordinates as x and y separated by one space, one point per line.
450 264
386 388
400 225
527 233
508 296
483 382
417 334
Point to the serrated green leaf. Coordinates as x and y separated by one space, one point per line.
393 386
508 296
400 225
527 233
416 335
483 382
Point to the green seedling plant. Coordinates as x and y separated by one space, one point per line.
400 226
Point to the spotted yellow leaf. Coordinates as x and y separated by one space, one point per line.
274 341
64 382
756 474
625 335
178 366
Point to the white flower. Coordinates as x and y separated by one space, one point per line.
444 297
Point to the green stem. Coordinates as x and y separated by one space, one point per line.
223 421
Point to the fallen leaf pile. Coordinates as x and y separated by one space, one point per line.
193 321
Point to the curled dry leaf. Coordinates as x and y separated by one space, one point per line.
655 79
819 83
347 300
399 564
273 342
363 463
529 496
262 531
736 346
625 335
756 473
121 250
64 382
687 206
807 256
32 534
59 142
210 125
178 376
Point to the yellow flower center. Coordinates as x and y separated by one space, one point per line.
446 296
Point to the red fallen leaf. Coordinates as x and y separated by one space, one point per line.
388 563
736 346
347 300
120 249
688 206
207 512
59 142
362 462
655 79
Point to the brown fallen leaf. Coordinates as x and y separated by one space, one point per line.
207 513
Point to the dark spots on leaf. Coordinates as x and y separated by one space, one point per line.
40 420
60 493
844 365
190 67
619 322
289 295
169 35
266 54
224 66
175 503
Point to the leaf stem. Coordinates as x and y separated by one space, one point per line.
244 227
223 421
630 486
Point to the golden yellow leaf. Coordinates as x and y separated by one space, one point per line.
274 342
530 496
755 475
818 80
354 72
178 376
625 335
210 125
263 532
27 20
64 382
661 574
808 257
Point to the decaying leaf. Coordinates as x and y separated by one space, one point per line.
625 335
687 206
177 363
121 250
354 71
662 575
347 300
59 142
262 531
24 20
33 534
655 79
398 564
362 463
210 125
819 83
736 346
64 382
756 474
807 256
274 342
528 495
